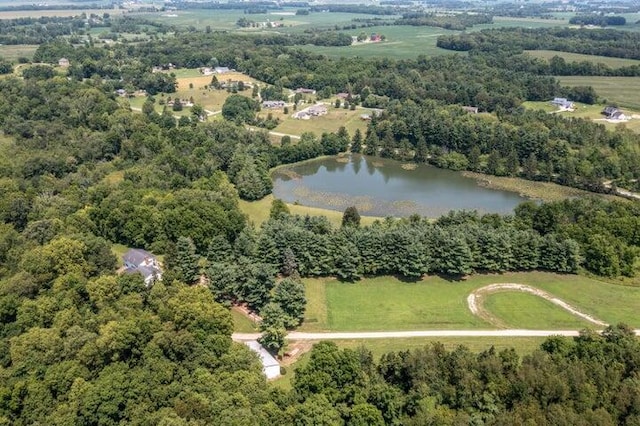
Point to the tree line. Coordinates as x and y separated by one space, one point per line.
608 42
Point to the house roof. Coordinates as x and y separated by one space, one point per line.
610 110
136 256
265 357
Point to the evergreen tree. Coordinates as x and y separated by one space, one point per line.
356 142
351 217
290 295
219 249
187 260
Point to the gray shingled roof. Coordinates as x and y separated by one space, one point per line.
136 256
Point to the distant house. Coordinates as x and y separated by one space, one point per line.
613 113
312 111
304 91
63 62
365 117
273 104
121 92
562 103
207 71
221 70
270 366
342 95
470 109
375 37
142 262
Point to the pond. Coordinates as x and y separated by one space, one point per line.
380 187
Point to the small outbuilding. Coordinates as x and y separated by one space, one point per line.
270 365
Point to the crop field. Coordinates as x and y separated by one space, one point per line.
578 57
386 303
13 52
61 13
621 90
402 42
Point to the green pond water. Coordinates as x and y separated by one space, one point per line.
379 187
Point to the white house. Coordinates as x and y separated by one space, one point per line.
270 365
63 62
221 70
143 262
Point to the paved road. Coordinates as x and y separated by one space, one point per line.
424 333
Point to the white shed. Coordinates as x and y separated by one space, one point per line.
270 366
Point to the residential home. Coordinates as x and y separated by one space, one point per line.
121 92
63 62
222 70
304 91
270 366
312 111
470 109
207 71
343 96
142 262
273 104
613 113
562 103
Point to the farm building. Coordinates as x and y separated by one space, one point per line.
221 70
270 366
304 91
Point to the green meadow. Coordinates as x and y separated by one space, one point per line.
387 303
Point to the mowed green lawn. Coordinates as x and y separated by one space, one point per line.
578 57
386 303
625 91
523 310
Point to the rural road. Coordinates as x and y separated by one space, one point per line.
424 333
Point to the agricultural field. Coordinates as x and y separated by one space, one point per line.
13 52
61 13
578 57
402 42
621 90
386 303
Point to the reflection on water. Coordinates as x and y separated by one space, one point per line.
379 187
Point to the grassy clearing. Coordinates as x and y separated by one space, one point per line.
528 311
621 90
331 122
13 52
591 112
242 324
258 212
402 42
119 250
386 303
578 57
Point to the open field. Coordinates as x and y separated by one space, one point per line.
578 57
241 323
331 122
621 90
591 112
386 303
13 52
528 311
258 212
61 13
402 42
507 21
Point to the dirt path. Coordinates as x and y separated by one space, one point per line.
475 299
